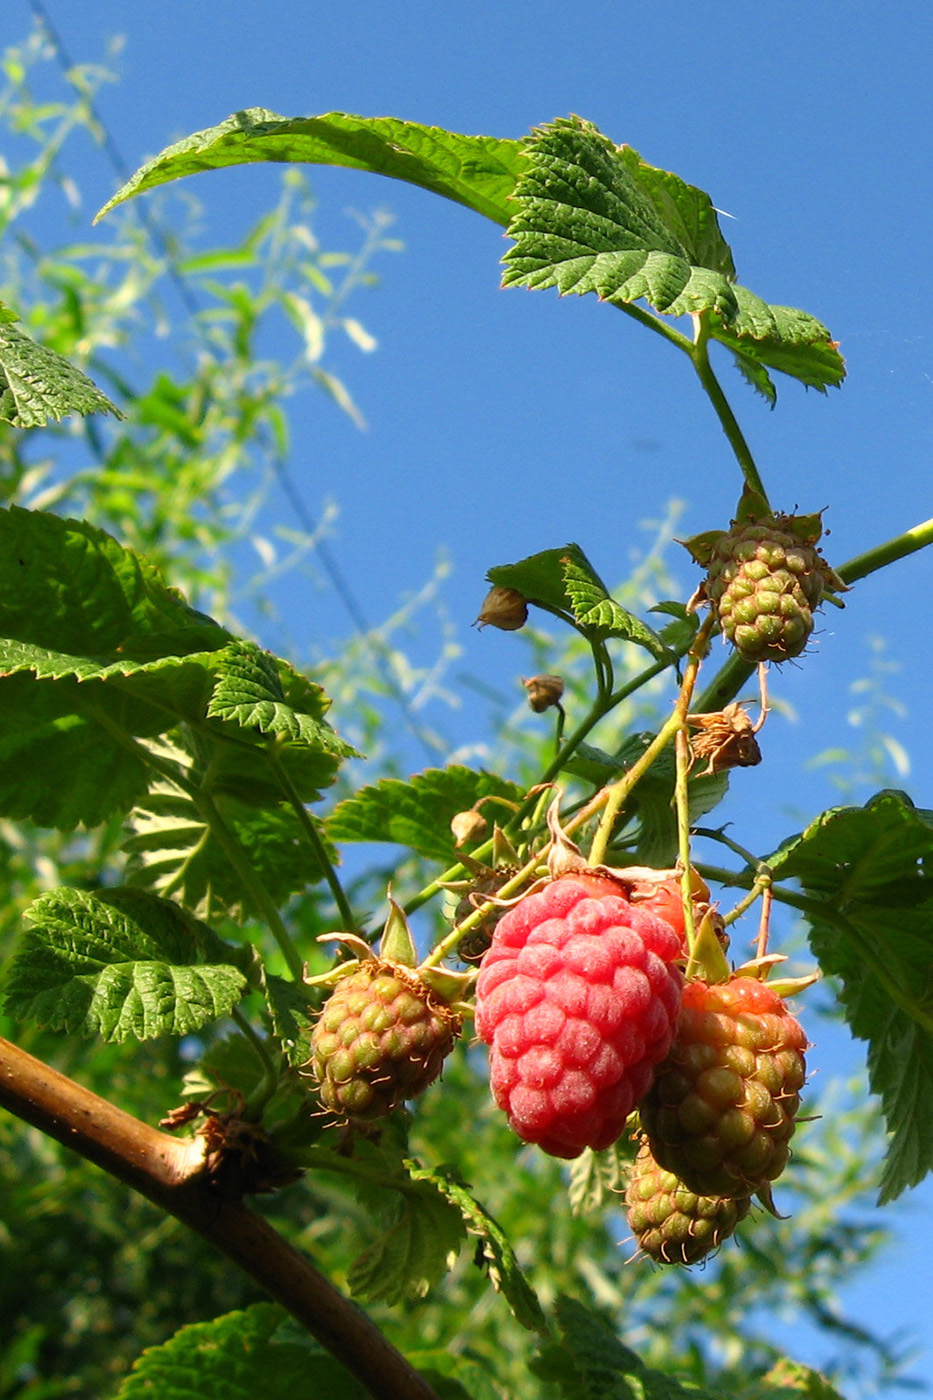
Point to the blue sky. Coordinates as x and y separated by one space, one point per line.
501 423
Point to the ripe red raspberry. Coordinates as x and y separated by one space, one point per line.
578 999
720 1113
381 1038
672 1223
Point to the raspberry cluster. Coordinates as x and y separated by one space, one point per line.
578 999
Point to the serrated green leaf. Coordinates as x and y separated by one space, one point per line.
237 1357
599 616
120 963
497 1253
591 216
564 581
678 634
478 171
287 1005
540 578
685 211
455 1376
417 813
593 765
869 872
61 765
764 337
597 1179
593 1362
419 1244
249 693
174 686
37 384
586 220
791 1376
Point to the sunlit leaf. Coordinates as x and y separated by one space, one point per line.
478 171
38 384
120 963
418 813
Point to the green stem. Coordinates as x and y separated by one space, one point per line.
447 944
726 684
313 838
269 1082
682 807
319 1159
898 548
612 797
662 328
598 711
712 835
603 664
699 354
817 909
762 883
259 895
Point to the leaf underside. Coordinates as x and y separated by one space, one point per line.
97 652
479 171
869 874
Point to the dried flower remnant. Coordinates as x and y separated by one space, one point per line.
504 608
543 692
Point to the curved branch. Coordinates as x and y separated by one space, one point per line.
172 1173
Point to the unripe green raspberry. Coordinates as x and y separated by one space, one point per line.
672 1223
381 1038
720 1113
764 583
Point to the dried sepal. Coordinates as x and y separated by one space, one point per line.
725 739
543 692
504 608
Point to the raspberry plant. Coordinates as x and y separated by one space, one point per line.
125 705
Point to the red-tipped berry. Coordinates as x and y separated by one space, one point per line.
578 1000
720 1113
